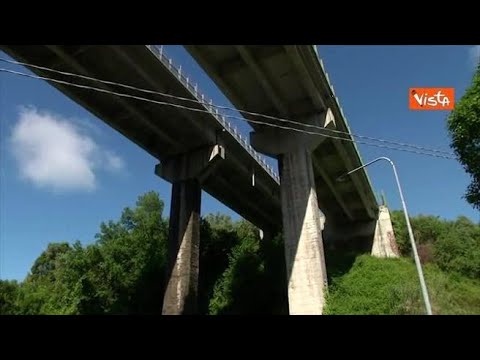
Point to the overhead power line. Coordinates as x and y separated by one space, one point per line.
391 142
228 116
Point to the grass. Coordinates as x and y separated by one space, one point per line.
375 286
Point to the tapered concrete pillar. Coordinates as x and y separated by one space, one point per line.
384 242
302 227
302 222
183 249
186 172
374 236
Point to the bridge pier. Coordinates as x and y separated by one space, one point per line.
186 172
304 254
384 242
183 249
302 222
375 236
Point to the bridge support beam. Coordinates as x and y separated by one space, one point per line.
185 172
302 221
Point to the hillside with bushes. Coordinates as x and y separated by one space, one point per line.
123 270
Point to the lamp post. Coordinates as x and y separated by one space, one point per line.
410 232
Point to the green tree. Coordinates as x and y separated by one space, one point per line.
220 222
37 295
464 128
218 236
122 272
426 229
458 248
8 297
46 263
255 280
239 290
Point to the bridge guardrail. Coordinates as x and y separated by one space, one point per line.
158 51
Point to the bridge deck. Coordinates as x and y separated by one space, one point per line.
161 130
289 81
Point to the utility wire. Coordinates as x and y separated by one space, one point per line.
423 148
228 116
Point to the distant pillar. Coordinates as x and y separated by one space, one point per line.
384 242
302 223
186 172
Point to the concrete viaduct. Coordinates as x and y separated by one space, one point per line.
201 150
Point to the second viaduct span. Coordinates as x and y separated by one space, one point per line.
289 82
201 150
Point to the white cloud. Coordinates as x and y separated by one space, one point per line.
52 152
475 54
113 162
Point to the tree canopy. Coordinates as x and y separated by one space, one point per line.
123 270
464 128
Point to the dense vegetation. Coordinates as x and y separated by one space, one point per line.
452 245
464 129
123 271
376 286
450 253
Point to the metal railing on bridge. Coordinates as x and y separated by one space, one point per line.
158 51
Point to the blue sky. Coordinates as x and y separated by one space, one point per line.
63 171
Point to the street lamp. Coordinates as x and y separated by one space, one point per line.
410 232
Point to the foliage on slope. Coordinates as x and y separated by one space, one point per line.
375 286
123 271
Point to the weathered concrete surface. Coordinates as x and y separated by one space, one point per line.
186 172
183 249
384 242
304 256
301 217
375 237
290 82
198 164
274 141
